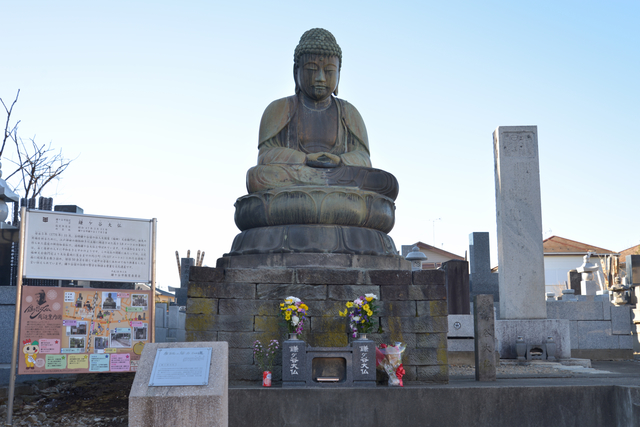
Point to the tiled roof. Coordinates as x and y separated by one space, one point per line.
438 251
557 244
633 250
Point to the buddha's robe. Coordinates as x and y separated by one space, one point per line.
282 159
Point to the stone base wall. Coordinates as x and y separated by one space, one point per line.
241 305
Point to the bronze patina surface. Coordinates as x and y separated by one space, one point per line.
314 168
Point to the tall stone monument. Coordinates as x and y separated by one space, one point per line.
519 219
523 309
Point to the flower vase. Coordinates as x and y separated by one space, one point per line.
266 379
293 336
362 336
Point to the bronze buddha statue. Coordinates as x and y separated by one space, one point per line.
314 174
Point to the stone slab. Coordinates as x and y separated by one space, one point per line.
259 275
460 325
221 290
621 320
7 295
575 310
519 220
460 344
596 335
172 318
534 331
161 334
181 405
475 404
7 318
161 315
314 260
281 291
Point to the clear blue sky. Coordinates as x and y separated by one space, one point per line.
160 102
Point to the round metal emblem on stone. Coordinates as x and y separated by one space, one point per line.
457 325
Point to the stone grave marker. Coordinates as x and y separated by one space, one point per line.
484 330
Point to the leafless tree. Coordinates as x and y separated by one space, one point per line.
37 164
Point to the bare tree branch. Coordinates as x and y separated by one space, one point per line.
9 132
36 165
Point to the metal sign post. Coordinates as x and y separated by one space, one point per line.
16 322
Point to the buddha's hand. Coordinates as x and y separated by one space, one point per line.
323 160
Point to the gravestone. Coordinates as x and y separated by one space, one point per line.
481 279
484 331
457 282
573 279
519 220
633 269
181 292
204 405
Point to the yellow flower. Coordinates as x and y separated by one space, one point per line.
365 307
292 307
304 306
287 316
349 304
343 314
288 301
369 313
362 321
369 299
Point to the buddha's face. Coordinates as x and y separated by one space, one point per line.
318 76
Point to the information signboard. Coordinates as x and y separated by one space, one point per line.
80 330
87 247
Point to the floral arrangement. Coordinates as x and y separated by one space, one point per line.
265 355
389 360
294 312
360 313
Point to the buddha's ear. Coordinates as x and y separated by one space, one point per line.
335 92
295 78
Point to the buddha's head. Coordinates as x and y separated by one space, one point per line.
316 66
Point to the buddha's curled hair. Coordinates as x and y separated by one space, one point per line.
317 41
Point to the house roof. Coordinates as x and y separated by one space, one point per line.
633 250
557 244
442 252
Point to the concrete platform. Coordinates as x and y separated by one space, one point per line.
608 395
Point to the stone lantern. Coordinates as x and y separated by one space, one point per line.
416 258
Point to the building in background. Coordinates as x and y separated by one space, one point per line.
562 255
161 296
435 256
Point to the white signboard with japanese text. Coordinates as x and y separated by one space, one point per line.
87 247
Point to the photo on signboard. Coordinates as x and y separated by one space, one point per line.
79 329
120 339
140 300
77 342
140 333
110 301
100 343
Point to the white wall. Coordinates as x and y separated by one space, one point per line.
556 268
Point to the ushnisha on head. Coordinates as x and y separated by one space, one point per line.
316 64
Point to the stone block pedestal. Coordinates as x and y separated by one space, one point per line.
238 302
181 405
534 332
